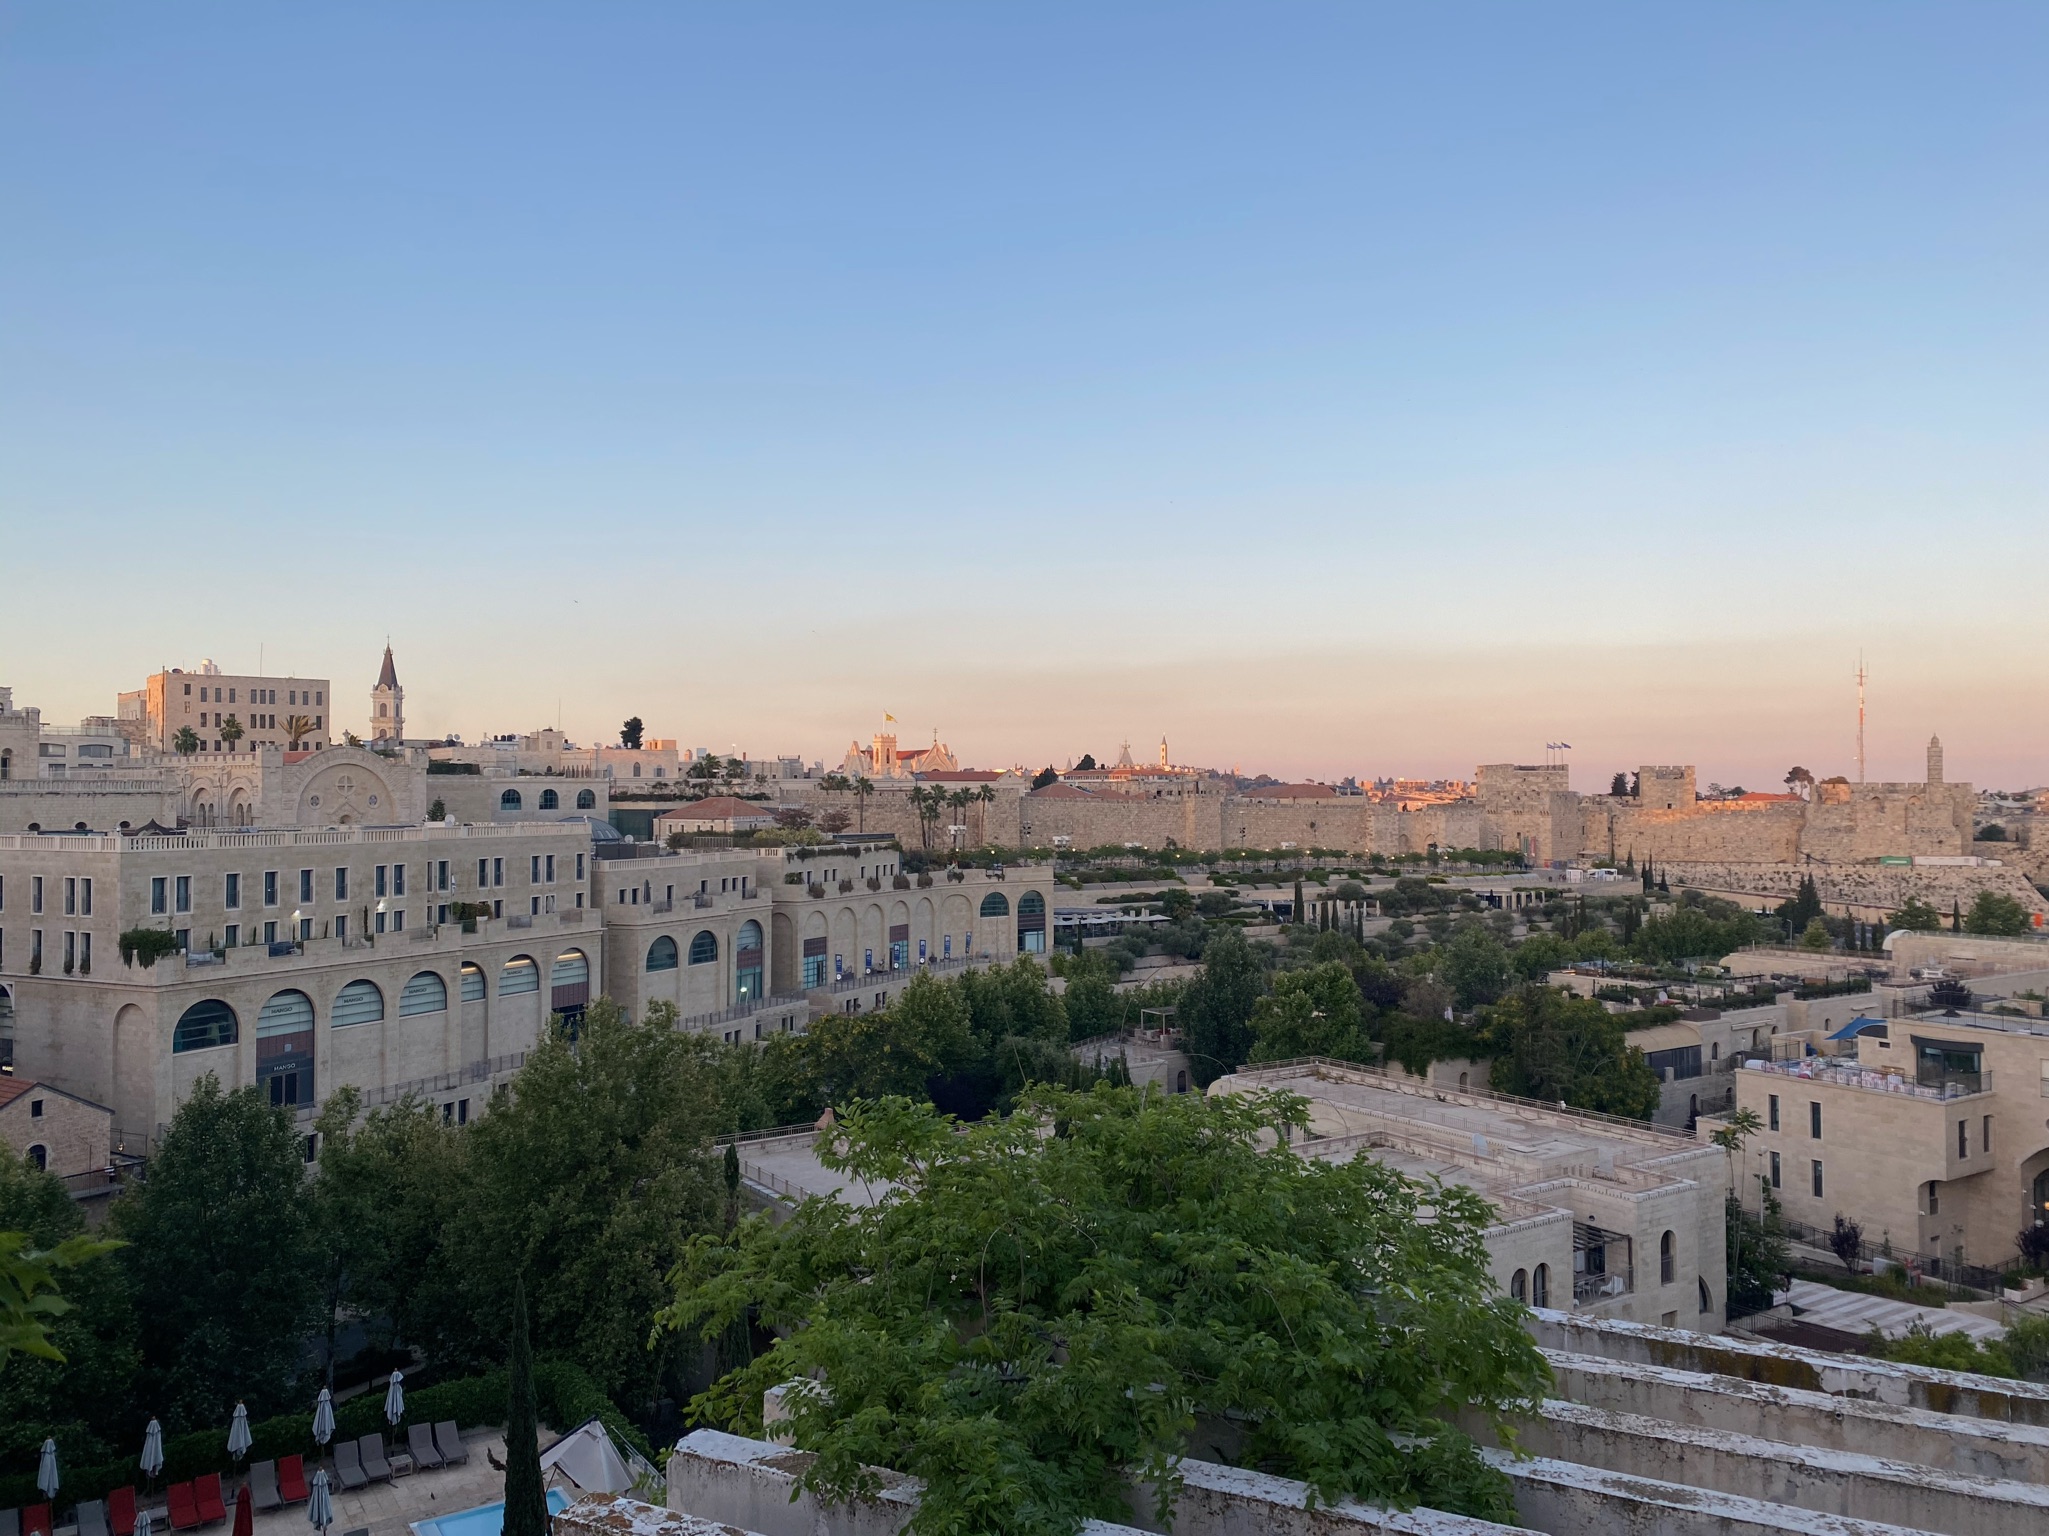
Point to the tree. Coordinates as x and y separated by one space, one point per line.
1847 1242
586 1177
630 734
1539 955
526 1500
1705 932
1177 904
1049 1302
220 1261
1216 1010
1087 764
1917 916
1994 913
1801 909
1758 1255
1093 1004
792 818
1619 785
1313 1012
863 787
834 821
1045 776
1993 832
1549 1046
1475 966
1815 936
1800 782
230 731
185 742
297 729
708 767
438 811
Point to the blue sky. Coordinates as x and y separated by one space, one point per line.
1330 388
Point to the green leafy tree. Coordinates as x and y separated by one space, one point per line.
1094 1006
1994 913
862 787
230 731
438 811
1087 764
297 728
1758 1254
1045 776
220 1259
185 741
1475 966
1804 907
1549 1046
1313 1012
526 1500
1539 955
586 1177
1012 1000
1815 936
630 734
67 1355
1028 1318
1917 916
1705 932
1216 1010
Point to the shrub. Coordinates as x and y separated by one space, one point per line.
148 945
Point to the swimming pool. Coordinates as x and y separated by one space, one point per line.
484 1520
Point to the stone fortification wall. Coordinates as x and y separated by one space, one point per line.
52 805
1869 890
1717 831
1843 824
1874 820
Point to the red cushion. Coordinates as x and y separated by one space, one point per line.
184 1510
206 1491
121 1511
35 1520
291 1479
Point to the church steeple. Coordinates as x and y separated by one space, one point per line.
387 704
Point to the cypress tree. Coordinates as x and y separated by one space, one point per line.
526 1501
1298 901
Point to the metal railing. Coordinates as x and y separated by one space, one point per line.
425 1087
1266 1069
1601 1287
1816 1069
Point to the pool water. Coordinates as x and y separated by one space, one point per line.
484 1520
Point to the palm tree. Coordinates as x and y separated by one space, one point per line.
231 731
922 797
959 800
987 796
186 742
297 729
863 787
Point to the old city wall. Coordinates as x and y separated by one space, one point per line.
1718 831
51 805
1872 821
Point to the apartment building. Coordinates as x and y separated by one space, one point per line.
300 959
1928 1131
204 701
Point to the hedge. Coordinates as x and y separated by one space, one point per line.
565 1394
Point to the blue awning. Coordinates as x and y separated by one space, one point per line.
1858 1026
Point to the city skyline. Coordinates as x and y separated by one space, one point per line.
1333 392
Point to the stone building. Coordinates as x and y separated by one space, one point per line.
57 1131
173 700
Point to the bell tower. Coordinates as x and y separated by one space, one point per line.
388 705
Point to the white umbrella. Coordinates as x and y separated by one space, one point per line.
143 1521
46 1470
395 1399
153 1449
323 1417
238 1433
319 1502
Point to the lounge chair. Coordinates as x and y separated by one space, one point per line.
447 1440
206 1493
374 1465
348 1464
121 1510
10 1522
92 1518
291 1480
184 1507
35 1520
262 1486
420 1445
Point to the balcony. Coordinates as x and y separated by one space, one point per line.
1939 1088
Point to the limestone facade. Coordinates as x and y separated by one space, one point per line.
58 1131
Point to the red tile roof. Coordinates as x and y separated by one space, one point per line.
12 1088
961 776
718 808
1058 791
1293 792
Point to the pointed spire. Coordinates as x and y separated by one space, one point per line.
388 678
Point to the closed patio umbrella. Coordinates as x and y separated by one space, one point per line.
238 1433
143 1521
245 1513
323 1418
46 1470
395 1399
153 1450
319 1502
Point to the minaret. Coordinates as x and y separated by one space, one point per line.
388 704
1934 759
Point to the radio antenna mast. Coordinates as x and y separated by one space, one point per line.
1860 717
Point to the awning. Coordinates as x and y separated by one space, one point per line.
1858 1026
587 1457
1664 1037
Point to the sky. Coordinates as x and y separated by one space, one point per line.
1331 389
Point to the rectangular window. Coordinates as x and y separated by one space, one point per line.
1776 1182
579 898
305 885
497 909
35 949
184 893
441 875
270 887
535 910
1984 1141
534 875
1773 1118
341 885
231 891
270 933
341 928
497 871
158 895
35 893
550 866
1817 1178
378 880
85 897
1814 1119
184 940
398 879
398 921
1963 1138
305 929
70 951
579 866
483 873
70 896
232 935
380 922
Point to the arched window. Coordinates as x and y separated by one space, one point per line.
747 962
510 801
1519 1285
661 955
519 974
995 904
40 1156
1707 1300
750 936
1465 1081
586 799
1667 1259
1540 1286
203 1026
359 1003
550 800
287 1013
571 969
636 770
284 1048
425 993
1181 1082
472 983
704 948
1031 923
